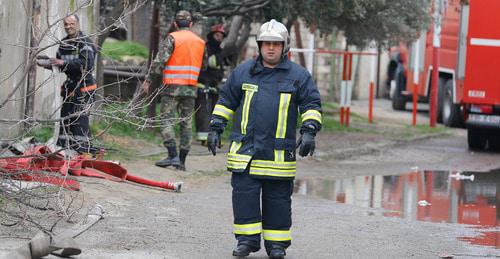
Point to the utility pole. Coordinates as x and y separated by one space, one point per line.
438 7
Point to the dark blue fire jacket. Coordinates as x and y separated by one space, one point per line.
265 104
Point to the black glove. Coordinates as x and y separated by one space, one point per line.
306 144
213 141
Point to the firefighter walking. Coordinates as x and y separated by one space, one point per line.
177 67
265 97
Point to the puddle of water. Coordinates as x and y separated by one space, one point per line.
436 196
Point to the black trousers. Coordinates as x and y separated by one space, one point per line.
204 105
74 129
276 212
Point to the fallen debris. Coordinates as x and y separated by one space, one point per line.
64 245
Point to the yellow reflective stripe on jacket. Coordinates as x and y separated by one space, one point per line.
245 111
235 146
273 168
274 164
283 115
235 165
248 229
212 62
237 161
238 157
272 172
277 235
223 111
311 115
279 155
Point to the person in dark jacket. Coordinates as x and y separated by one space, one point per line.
265 98
75 57
208 82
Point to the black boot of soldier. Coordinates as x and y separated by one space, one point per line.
182 157
171 160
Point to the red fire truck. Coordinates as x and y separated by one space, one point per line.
469 70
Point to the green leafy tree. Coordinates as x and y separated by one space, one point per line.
385 21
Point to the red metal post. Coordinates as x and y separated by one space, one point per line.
434 87
372 86
343 86
349 90
415 93
370 108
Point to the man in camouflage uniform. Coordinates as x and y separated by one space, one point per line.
176 67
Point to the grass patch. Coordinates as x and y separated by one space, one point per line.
423 129
42 134
331 122
123 129
118 49
123 141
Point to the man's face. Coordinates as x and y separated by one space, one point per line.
271 53
218 36
71 26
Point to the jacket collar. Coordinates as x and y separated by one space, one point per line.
283 65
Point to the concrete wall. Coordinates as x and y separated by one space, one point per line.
139 25
14 37
16 28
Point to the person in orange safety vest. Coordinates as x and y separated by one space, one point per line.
177 67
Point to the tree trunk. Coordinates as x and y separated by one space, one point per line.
298 41
29 105
153 50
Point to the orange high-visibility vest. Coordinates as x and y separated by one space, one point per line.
183 67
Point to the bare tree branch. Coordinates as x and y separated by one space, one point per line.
231 9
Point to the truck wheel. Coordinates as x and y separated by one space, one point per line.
494 140
440 99
399 100
476 139
452 117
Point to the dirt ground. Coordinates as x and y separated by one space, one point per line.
142 222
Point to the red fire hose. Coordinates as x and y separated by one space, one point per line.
29 166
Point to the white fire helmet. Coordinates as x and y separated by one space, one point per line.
274 31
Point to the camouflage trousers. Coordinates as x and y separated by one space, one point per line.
171 106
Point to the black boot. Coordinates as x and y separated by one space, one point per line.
182 157
277 253
244 250
172 158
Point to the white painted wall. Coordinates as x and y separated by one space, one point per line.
13 39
